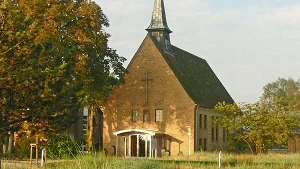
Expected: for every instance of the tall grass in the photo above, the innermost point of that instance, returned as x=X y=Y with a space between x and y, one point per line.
x=198 y=161
x=99 y=161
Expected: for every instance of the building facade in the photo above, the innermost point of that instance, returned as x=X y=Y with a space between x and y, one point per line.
x=165 y=107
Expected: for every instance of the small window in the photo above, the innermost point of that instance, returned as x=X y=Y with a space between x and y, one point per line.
x=158 y=115
x=205 y=121
x=155 y=34
x=85 y=122
x=200 y=144
x=205 y=144
x=224 y=134
x=135 y=116
x=200 y=121
x=146 y=116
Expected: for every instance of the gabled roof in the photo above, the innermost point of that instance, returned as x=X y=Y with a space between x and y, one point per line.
x=196 y=77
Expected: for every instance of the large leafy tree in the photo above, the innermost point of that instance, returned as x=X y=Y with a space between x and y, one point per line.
x=268 y=122
x=54 y=59
x=284 y=93
x=259 y=126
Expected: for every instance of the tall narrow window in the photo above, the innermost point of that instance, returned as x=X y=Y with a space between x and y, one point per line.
x=224 y=134
x=200 y=121
x=146 y=116
x=212 y=128
x=158 y=115
x=205 y=144
x=135 y=116
x=200 y=144
x=205 y=121
x=85 y=122
x=227 y=133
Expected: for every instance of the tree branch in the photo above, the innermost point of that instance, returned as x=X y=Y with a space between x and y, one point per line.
x=9 y=49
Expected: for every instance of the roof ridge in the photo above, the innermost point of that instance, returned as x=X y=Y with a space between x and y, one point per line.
x=196 y=77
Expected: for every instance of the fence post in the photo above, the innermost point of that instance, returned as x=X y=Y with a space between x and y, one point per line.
x=43 y=157
x=220 y=159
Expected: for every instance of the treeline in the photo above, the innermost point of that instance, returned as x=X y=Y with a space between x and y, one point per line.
x=266 y=124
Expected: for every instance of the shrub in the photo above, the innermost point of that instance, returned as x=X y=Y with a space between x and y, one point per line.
x=62 y=146
x=22 y=148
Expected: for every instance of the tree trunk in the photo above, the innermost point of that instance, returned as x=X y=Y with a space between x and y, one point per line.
x=10 y=143
x=249 y=145
x=5 y=144
x=91 y=127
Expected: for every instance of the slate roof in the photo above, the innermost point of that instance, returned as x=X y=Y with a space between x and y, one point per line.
x=196 y=77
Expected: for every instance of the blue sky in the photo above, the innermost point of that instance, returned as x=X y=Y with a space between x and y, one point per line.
x=248 y=43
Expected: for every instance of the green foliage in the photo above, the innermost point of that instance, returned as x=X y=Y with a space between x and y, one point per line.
x=54 y=59
x=22 y=148
x=260 y=126
x=268 y=122
x=62 y=146
x=284 y=93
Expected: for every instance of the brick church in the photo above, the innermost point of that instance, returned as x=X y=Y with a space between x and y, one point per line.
x=165 y=108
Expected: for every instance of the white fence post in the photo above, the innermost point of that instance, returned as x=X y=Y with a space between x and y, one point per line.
x=43 y=158
x=220 y=159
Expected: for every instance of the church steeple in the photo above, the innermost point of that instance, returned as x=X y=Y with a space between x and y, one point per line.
x=159 y=28
x=159 y=20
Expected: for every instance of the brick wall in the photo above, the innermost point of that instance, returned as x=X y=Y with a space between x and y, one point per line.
x=216 y=137
x=164 y=92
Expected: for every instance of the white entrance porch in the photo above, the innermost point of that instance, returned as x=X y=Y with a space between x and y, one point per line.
x=144 y=143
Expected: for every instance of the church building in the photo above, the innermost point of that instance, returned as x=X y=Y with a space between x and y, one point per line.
x=165 y=107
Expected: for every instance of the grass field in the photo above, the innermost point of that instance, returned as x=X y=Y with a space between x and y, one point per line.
x=198 y=161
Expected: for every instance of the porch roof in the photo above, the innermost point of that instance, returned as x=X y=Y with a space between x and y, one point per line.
x=150 y=132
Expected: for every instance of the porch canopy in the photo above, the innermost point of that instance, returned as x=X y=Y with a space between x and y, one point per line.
x=149 y=134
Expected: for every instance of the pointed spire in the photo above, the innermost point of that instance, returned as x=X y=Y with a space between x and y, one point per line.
x=159 y=21
x=159 y=28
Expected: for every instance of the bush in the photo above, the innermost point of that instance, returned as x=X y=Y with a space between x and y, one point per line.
x=22 y=148
x=62 y=146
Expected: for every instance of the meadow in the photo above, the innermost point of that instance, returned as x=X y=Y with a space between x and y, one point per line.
x=201 y=160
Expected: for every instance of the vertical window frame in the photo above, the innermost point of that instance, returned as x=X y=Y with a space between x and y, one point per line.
x=85 y=119
x=135 y=116
x=158 y=115
x=200 y=121
x=205 y=121
x=205 y=144
x=200 y=144
x=146 y=116
x=224 y=134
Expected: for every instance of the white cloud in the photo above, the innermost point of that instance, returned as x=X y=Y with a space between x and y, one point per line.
x=247 y=46
x=287 y=15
